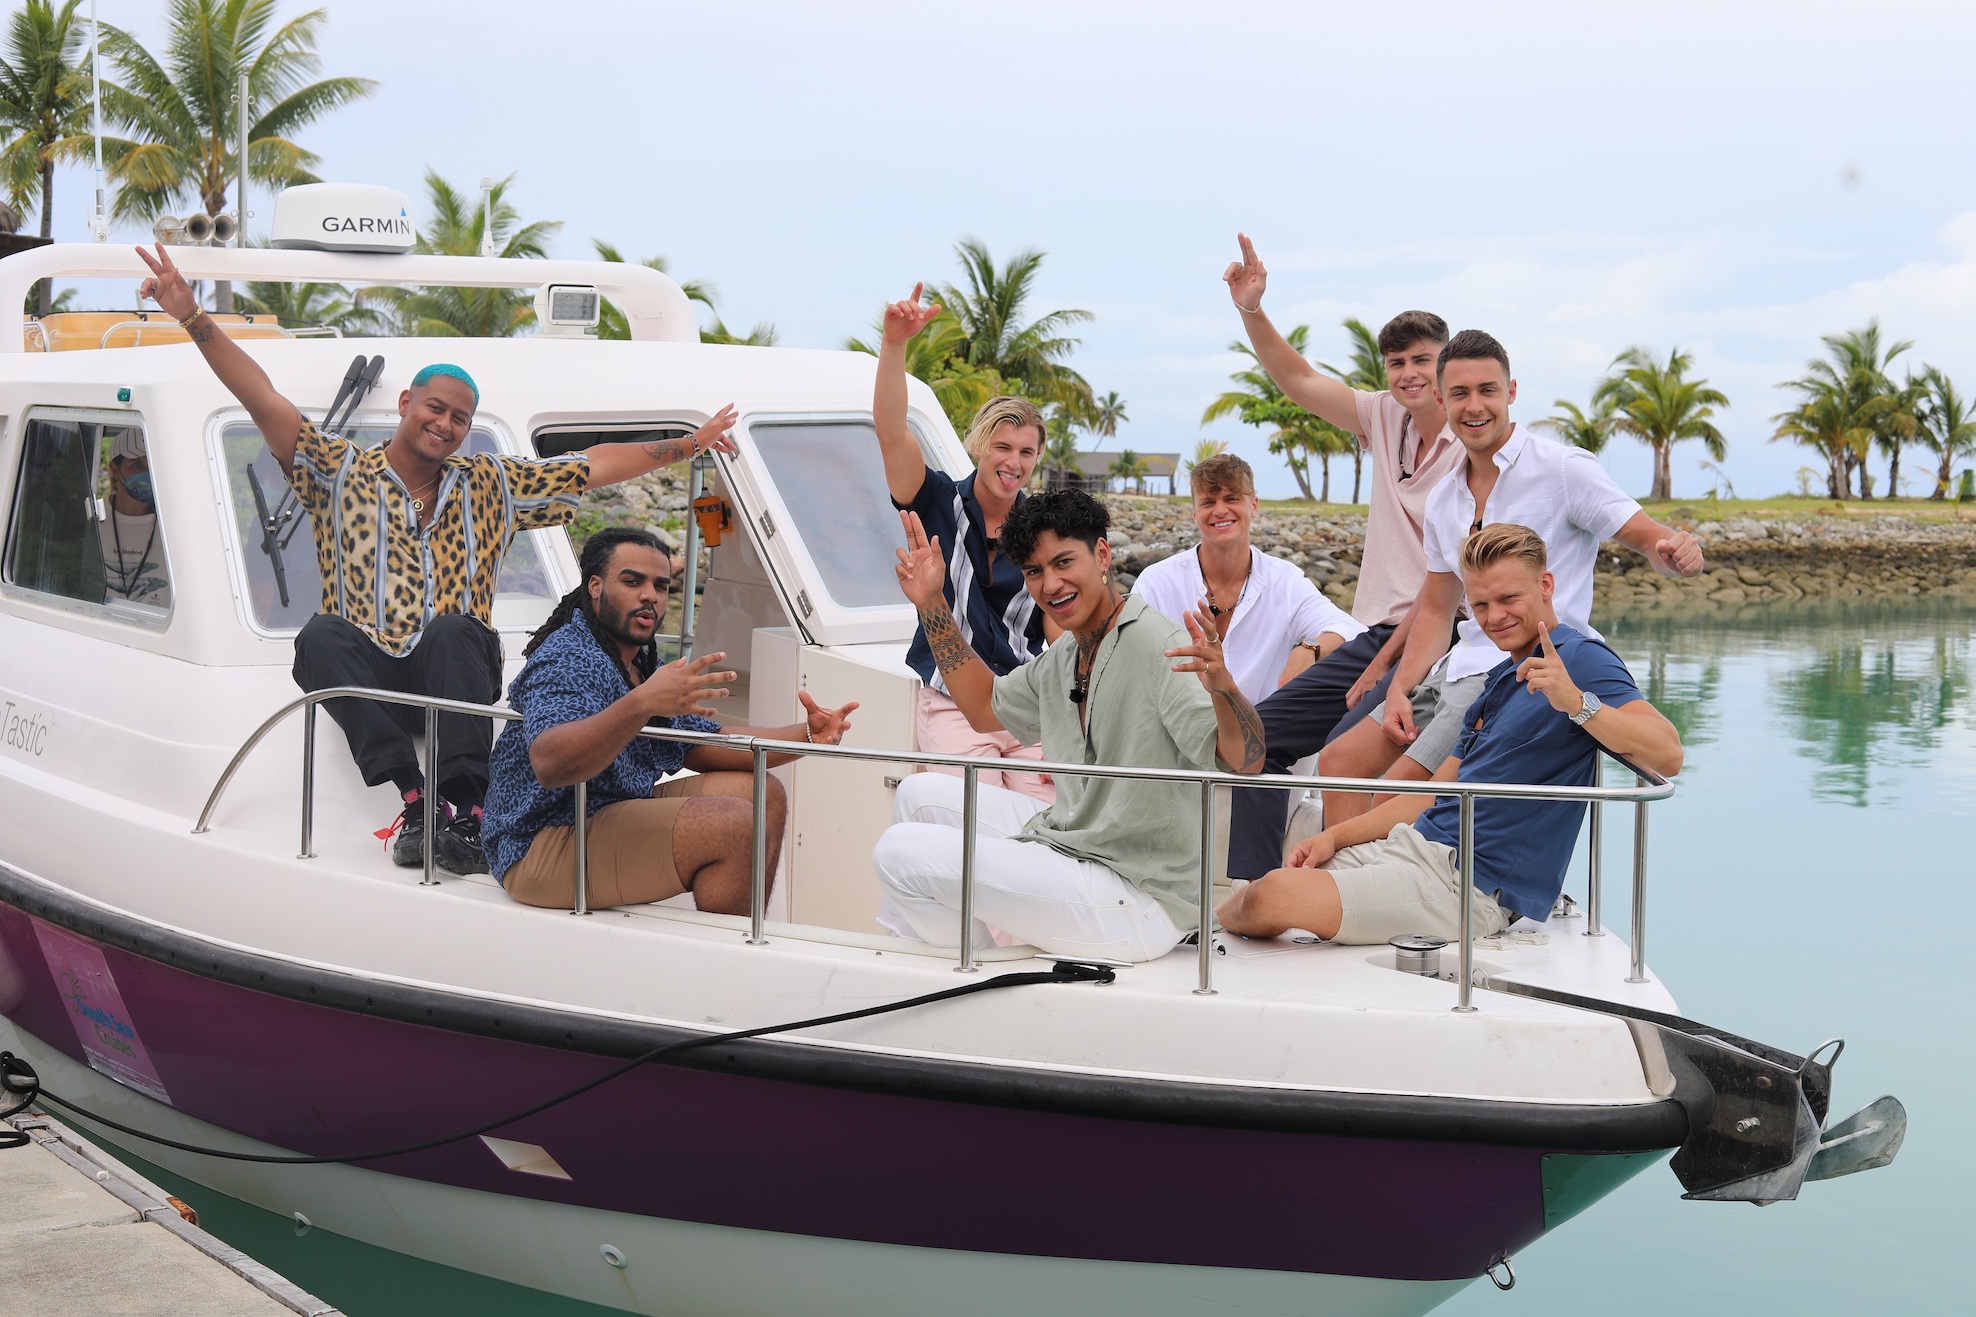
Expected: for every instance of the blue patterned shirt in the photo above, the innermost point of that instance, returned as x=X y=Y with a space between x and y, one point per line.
x=568 y=679
x=992 y=607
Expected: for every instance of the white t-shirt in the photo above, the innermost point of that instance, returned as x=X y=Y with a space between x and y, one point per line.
x=134 y=560
x=1562 y=493
x=1280 y=609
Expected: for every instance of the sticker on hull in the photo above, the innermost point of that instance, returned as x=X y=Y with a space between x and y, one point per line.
x=96 y=1009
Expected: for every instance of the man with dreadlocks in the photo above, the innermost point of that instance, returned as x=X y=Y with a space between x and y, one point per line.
x=410 y=537
x=592 y=681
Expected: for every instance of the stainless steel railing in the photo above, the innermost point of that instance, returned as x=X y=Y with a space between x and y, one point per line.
x=760 y=748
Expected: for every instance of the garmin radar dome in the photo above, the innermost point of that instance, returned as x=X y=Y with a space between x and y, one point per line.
x=343 y=217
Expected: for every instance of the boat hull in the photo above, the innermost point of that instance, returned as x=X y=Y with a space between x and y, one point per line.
x=897 y=1169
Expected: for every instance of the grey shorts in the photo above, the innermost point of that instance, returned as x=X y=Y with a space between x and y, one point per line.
x=1438 y=705
x=1404 y=883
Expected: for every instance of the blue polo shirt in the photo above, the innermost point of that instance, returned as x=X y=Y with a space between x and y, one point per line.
x=991 y=607
x=1512 y=734
x=568 y=679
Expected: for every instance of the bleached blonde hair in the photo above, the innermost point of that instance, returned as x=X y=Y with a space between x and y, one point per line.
x=994 y=414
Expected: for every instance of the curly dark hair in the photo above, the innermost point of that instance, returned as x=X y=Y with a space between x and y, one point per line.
x=595 y=561
x=1071 y=513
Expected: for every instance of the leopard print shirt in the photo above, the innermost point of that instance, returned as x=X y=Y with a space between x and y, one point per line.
x=361 y=510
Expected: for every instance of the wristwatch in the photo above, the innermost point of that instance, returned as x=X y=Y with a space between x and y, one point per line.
x=1590 y=706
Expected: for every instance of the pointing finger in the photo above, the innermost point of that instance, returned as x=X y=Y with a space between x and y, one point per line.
x=1248 y=249
x=1544 y=639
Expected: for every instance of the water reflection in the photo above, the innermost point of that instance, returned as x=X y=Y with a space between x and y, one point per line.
x=1866 y=688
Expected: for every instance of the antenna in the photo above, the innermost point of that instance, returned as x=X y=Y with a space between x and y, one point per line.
x=240 y=206
x=487 y=247
x=99 y=223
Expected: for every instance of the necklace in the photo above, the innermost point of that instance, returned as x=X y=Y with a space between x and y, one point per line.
x=1215 y=610
x=1080 y=690
x=127 y=580
x=418 y=503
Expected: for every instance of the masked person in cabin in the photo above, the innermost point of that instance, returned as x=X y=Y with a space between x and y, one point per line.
x=1112 y=867
x=1542 y=717
x=994 y=614
x=133 y=559
x=410 y=537
x=592 y=681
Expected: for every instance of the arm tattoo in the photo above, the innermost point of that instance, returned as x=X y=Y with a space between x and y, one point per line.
x=202 y=330
x=950 y=652
x=665 y=452
x=1254 y=747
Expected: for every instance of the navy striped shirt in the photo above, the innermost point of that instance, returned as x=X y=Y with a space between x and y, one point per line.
x=991 y=606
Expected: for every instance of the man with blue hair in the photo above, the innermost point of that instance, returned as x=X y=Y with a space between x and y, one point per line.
x=410 y=536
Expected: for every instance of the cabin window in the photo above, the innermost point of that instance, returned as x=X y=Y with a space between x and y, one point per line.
x=852 y=534
x=85 y=524
x=277 y=545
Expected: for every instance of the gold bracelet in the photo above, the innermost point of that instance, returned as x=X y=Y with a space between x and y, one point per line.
x=191 y=320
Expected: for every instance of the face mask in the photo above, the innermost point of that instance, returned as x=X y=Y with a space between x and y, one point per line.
x=139 y=487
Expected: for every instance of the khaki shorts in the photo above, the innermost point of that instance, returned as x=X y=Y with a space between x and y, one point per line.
x=630 y=854
x=1438 y=705
x=1404 y=884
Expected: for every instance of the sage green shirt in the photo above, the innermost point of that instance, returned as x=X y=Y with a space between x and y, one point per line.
x=1142 y=714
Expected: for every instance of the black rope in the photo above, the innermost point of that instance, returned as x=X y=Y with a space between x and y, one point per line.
x=18 y=1077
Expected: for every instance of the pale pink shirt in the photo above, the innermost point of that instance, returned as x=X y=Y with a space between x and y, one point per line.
x=1394 y=565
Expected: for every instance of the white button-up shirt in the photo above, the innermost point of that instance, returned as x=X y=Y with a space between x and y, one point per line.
x=1562 y=493
x=1280 y=609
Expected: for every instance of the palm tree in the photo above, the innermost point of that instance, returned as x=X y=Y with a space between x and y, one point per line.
x=313 y=304
x=44 y=108
x=1573 y=426
x=181 y=111
x=1947 y=425
x=1107 y=414
x=1898 y=427
x=1368 y=373
x=1205 y=449
x=453 y=228
x=1660 y=406
x=1298 y=435
x=1843 y=403
x=1027 y=357
x=1058 y=463
x=1128 y=465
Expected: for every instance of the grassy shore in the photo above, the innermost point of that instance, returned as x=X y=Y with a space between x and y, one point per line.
x=1787 y=507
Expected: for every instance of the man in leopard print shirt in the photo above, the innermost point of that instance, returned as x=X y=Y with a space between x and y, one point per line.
x=410 y=536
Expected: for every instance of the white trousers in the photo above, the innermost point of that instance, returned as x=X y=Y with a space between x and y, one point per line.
x=1035 y=894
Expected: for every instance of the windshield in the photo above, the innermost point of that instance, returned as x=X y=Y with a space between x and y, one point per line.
x=284 y=589
x=832 y=480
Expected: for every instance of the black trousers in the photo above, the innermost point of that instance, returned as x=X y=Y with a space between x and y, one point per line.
x=456 y=658
x=1298 y=720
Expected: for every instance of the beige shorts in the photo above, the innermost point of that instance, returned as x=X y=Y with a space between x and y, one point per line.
x=1404 y=884
x=629 y=854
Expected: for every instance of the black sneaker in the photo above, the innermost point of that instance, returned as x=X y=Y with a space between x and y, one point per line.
x=457 y=847
x=406 y=835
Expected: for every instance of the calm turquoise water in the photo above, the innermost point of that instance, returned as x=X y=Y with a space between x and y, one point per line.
x=1809 y=880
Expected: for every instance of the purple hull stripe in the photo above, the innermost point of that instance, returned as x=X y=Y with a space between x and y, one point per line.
x=767 y=1154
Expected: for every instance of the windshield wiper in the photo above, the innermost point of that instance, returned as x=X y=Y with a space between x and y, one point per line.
x=358 y=381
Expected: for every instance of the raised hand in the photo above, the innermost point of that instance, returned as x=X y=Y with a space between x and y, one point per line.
x=1398 y=722
x=1203 y=657
x=1545 y=673
x=827 y=726
x=922 y=571
x=166 y=286
x=680 y=688
x=1679 y=554
x=1313 y=851
x=907 y=318
x=1246 y=278
x=717 y=435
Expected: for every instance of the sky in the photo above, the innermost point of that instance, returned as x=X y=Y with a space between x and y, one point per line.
x=1732 y=179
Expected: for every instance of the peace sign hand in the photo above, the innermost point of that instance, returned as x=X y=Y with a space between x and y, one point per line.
x=1204 y=655
x=166 y=286
x=1246 y=278
x=1545 y=673
x=922 y=571
x=905 y=319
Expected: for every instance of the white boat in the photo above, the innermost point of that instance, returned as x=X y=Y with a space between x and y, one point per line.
x=200 y=938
